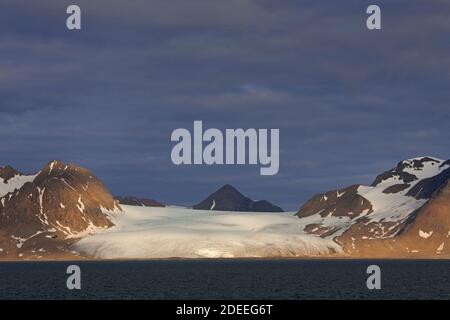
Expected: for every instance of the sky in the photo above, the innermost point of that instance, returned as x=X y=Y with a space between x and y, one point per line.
x=349 y=102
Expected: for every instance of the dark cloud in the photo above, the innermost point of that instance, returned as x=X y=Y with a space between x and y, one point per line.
x=349 y=102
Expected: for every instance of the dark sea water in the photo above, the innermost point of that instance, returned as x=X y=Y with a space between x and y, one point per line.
x=227 y=279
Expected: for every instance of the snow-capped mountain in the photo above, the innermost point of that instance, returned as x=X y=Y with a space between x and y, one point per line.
x=404 y=212
x=228 y=198
x=40 y=213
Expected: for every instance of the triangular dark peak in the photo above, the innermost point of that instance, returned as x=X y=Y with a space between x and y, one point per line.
x=228 y=188
x=8 y=172
x=228 y=198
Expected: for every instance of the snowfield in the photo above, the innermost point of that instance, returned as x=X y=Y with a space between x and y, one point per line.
x=148 y=232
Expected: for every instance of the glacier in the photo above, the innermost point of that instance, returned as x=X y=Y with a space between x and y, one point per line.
x=173 y=232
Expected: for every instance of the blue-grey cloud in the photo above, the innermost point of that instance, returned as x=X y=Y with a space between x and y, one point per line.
x=349 y=102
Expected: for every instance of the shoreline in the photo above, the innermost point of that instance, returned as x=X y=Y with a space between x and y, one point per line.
x=325 y=259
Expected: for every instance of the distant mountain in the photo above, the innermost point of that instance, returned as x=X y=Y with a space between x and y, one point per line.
x=228 y=198
x=405 y=212
x=40 y=213
x=8 y=172
x=141 y=202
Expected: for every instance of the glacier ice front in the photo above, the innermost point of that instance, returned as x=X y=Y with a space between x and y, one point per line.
x=146 y=233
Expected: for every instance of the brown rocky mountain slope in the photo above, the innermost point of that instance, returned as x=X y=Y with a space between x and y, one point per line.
x=41 y=214
x=404 y=213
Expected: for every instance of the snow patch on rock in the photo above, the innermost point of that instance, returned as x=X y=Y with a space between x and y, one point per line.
x=424 y=234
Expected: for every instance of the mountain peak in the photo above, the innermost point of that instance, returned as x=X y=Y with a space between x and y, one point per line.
x=424 y=158
x=228 y=188
x=411 y=170
x=228 y=198
x=418 y=163
x=54 y=164
x=7 y=172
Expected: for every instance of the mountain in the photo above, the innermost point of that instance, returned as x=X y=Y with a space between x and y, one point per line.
x=140 y=202
x=8 y=172
x=405 y=212
x=40 y=214
x=65 y=212
x=228 y=198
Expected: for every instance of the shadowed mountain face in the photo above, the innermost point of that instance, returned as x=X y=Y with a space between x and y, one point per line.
x=140 y=202
x=7 y=173
x=228 y=198
x=39 y=213
x=405 y=212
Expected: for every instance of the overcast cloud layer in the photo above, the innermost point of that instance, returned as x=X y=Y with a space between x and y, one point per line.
x=349 y=102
